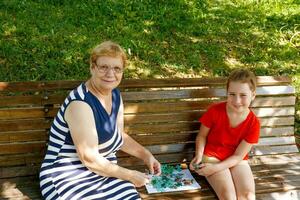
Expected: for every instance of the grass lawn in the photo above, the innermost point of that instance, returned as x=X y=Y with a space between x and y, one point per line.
x=51 y=39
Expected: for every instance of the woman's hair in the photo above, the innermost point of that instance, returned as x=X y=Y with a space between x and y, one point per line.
x=243 y=76
x=108 y=48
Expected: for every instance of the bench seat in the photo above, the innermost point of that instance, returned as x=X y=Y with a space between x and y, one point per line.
x=160 y=114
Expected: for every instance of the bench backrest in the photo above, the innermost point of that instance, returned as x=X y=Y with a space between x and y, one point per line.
x=160 y=114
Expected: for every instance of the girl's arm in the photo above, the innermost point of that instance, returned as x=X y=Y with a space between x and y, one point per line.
x=239 y=154
x=133 y=148
x=200 y=144
x=79 y=117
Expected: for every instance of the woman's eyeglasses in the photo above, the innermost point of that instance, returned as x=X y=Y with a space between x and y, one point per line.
x=105 y=69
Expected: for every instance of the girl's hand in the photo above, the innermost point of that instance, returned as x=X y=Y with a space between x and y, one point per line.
x=207 y=169
x=138 y=179
x=153 y=165
x=195 y=162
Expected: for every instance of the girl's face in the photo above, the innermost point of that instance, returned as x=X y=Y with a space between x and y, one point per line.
x=239 y=97
x=107 y=72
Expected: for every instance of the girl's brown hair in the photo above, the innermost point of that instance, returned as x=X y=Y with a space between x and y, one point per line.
x=243 y=76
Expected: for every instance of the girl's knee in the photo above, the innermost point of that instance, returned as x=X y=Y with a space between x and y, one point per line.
x=227 y=194
x=249 y=195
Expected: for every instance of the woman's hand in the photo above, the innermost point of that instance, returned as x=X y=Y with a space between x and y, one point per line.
x=153 y=164
x=195 y=162
x=138 y=179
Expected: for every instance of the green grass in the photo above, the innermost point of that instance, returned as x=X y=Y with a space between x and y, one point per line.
x=51 y=39
x=48 y=40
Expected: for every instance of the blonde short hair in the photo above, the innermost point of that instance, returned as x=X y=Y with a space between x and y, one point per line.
x=108 y=48
x=243 y=76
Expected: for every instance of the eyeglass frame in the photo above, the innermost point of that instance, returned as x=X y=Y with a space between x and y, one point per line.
x=105 y=69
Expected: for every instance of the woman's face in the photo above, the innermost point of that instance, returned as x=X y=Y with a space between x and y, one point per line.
x=107 y=72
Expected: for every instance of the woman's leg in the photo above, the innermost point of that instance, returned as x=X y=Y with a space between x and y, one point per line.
x=243 y=181
x=223 y=185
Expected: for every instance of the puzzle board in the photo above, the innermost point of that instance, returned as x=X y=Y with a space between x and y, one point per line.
x=186 y=175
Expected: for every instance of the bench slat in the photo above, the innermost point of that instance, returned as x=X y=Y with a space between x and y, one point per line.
x=287 y=146
x=132 y=83
x=200 y=93
x=27 y=113
x=175 y=109
x=29 y=159
x=23 y=136
x=22 y=147
x=270 y=117
x=146 y=107
x=267 y=150
x=276 y=140
x=39 y=100
x=19 y=125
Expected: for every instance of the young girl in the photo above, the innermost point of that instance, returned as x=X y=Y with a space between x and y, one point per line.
x=228 y=131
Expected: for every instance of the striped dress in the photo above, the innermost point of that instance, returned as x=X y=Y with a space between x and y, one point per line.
x=62 y=174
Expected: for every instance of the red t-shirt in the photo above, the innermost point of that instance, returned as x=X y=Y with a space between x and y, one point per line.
x=222 y=140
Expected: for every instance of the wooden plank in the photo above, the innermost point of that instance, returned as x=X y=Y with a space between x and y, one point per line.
x=284 y=195
x=16 y=171
x=131 y=119
x=282 y=111
x=163 y=158
x=271 y=120
x=37 y=85
x=266 y=169
x=169 y=138
x=184 y=147
x=271 y=172
x=28 y=159
x=161 y=107
x=173 y=94
x=146 y=107
x=159 y=128
x=164 y=127
x=39 y=100
x=273 y=101
x=276 y=141
x=188 y=82
x=265 y=150
x=32 y=112
x=27 y=124
x=22 y=147
x=201 y=93
x=275 y=90
x=23 y=136
x=32 y=100
x=277 y=121
x=20 y=100
x=133 y=83
x=275 y=160
x=277 y=131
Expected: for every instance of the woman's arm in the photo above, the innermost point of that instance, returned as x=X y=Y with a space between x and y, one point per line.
x=199 y=146
x=133 y=148
x=79 y=117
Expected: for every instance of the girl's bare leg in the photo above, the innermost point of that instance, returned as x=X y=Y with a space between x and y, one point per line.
x=223 y=185
x=243 y=180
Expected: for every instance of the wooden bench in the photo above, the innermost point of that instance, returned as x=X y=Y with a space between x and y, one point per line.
x=161 y=115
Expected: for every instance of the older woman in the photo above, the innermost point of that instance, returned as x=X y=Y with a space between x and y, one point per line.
x=80 y=162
